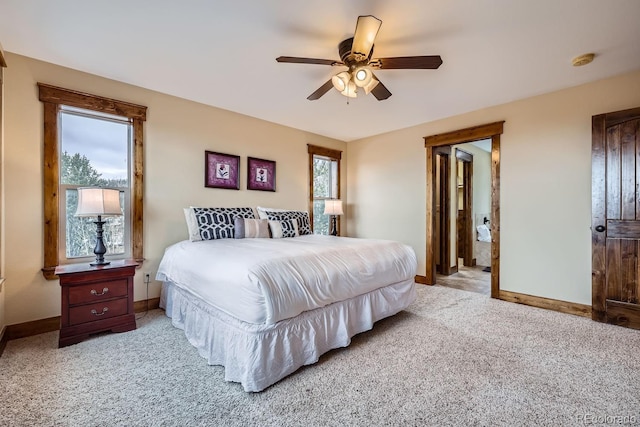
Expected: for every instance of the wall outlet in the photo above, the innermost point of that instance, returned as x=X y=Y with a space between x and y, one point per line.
x=147 y=277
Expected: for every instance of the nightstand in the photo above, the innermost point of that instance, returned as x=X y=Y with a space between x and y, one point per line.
x=96 y=299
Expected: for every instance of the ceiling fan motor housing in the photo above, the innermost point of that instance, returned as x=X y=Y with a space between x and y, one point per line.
x=349 y=59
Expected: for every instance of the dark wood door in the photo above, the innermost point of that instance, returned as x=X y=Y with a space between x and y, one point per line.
x=460 y=228
x=616 y=218
x=465 y=160
x=442 y=170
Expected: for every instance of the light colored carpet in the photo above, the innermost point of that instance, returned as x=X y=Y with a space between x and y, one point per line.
x=453 y=358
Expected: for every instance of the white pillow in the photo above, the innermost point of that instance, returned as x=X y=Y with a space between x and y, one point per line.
x=192 y=225
x=262 y=212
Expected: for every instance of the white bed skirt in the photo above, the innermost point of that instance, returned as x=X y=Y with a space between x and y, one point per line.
x=258 y=356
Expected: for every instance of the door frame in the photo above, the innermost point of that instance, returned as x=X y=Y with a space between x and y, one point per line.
x=3 y=65
x=476 y=133
x=599 y=126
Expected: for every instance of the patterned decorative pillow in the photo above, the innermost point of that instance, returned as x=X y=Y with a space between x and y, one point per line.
x=251 y=228
x=262 y=212
x=219 y=223
x=301 y=217
x=286 y=228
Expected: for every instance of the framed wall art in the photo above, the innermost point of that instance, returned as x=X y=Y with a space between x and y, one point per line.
x=261 y=174
x=221 y=170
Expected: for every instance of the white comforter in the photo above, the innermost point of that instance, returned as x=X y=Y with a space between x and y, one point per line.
x=263 y=281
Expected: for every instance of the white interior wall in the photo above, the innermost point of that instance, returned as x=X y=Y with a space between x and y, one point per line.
x=545 y=179
x=177 y=133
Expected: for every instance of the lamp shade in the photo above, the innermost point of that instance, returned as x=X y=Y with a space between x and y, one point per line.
x=94 y=201
x=333 y=207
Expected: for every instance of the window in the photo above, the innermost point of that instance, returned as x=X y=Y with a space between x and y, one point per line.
x=90 y=141
x=324 y=176
x=94 y=151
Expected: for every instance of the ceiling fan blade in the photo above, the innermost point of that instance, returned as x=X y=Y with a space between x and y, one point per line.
x=366 y=32
x=296 y=60
x=408 y=62
x=380 y=91
x=321 y=91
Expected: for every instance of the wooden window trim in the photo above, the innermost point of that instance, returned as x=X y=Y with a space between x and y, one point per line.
x=316 y=150
x=52 y=98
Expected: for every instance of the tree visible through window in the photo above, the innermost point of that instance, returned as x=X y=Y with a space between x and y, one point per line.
x=325 y=184
x=90 y=141
x=94 y=153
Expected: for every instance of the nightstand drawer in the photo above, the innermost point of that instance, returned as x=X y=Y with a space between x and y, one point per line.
x=97 y=311
x=97 y=292
x=94 y=299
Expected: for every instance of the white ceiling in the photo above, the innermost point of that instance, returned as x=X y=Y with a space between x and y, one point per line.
x=222 y=52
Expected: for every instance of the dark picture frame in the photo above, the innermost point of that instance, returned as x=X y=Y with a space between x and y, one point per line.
x=261 y=174
x=221 y=170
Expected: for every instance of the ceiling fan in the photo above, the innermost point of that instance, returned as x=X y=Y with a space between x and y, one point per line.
x=355 y=53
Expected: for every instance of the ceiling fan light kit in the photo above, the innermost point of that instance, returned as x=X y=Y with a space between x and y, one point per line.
x=347 y=83
x=341 y=81
x=355 y=53
x=350 y=91
x=362 y=76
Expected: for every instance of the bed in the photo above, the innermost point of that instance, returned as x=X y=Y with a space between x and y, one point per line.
x=264 y=307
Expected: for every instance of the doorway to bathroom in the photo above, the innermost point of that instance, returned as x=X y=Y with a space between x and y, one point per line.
x=442 y=262
x=463 y=179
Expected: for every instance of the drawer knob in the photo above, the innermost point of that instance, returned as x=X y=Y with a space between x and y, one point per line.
x=95 y=313
x=104 y=291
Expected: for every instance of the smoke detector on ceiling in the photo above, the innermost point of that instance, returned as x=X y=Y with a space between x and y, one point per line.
x=581 y=60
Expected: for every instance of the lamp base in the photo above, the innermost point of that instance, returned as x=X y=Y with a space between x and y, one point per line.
x=100 y=249
x=334 y=226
